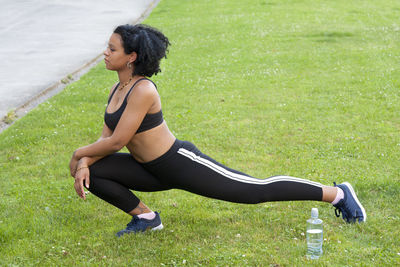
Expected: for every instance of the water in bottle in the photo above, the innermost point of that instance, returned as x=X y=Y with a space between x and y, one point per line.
x=314 y=235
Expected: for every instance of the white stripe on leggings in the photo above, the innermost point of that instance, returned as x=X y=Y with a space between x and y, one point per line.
x=240 y=177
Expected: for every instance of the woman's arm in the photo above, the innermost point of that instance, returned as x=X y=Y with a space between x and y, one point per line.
x=138 y=105
x=88 y=161
x=81 y=172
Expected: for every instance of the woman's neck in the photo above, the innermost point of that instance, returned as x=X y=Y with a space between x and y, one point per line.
x=124 y=76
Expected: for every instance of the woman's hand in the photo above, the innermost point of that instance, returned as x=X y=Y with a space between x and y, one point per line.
x=73 y=164
x=82 y=175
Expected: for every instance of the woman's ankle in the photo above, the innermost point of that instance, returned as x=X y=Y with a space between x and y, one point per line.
x=140 y=209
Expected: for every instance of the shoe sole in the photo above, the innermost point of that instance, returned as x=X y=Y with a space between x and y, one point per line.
x=353 y=193
x=157 y=227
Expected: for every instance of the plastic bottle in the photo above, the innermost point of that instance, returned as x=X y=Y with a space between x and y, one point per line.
x=314 y=235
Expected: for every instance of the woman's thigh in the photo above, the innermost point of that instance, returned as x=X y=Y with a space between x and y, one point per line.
x=125 y=170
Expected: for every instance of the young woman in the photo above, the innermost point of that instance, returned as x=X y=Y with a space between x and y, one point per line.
x=157 y=160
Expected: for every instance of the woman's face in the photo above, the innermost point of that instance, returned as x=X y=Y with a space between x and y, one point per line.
x=114 y=56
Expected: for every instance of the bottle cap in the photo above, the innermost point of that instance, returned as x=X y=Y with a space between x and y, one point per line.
x=314 y=213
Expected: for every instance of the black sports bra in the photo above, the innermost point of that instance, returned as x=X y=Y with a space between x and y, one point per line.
x=150 y=120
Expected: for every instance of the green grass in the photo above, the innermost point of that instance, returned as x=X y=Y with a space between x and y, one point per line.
x=302 y=88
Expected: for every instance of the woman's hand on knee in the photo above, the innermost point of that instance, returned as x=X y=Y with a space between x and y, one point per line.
x=82 y=177
x=73 y=164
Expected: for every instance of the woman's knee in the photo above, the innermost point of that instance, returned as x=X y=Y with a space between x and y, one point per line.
x=96 y=169
x=92 y=170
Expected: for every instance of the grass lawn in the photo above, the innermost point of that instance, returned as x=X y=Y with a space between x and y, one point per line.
x=303 y=88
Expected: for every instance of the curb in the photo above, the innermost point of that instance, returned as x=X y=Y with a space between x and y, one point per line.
x=58 y=86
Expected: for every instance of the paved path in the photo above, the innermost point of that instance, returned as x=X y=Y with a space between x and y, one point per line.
x=42 y=41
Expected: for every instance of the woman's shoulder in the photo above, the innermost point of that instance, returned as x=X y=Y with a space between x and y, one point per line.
x=143 y=91
x=144 y=86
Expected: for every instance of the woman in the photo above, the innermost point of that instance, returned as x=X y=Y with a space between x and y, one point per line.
x=157 y=160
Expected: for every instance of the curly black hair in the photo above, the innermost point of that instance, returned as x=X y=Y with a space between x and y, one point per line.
x=150 y=45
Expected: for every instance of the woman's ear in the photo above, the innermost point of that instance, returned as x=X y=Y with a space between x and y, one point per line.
x=132 y=57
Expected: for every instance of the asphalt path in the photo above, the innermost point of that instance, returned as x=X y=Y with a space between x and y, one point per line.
x=43 y=41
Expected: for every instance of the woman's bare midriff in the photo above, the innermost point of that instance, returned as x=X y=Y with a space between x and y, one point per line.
x=149 y=145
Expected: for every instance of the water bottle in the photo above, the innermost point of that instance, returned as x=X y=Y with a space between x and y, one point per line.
x=314 y=235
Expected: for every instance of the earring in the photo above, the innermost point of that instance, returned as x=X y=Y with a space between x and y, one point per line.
x=129 y=65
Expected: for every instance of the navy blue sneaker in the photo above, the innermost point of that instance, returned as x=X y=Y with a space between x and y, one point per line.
x=350 y=207
x=141 y=225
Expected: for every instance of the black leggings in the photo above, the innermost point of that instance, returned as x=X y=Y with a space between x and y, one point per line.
x=185 y=167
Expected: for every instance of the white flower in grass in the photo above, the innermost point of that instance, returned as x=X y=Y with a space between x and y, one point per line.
x=238 y=235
